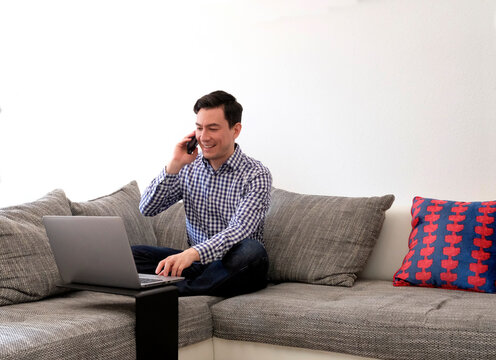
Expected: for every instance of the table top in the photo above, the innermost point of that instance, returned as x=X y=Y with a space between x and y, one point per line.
x=120 y=291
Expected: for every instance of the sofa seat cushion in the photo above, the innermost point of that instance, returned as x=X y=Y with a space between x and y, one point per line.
x=77 y=325
x=89 y=325
x=195 y=319
x=371 y=319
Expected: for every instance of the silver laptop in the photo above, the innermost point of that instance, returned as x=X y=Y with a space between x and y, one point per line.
x=95 y=250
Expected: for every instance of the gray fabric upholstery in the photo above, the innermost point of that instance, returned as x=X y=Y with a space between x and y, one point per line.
x=89 y=325
x=321 y=239
x=170 y=227
x=324 y=235
x=195 y=319
x=124 y=203
x=372 y=319
x=27 y=267
x=77 y=325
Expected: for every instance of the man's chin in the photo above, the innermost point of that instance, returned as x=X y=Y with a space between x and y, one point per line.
x=208 y=153
x=207 y=156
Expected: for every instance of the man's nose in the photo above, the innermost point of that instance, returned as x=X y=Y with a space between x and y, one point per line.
x=204 y=136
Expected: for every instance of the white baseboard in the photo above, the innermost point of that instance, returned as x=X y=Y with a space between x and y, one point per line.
x=200 y=351
x=243 y=350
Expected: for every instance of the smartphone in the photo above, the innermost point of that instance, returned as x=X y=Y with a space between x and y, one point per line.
x=191 y=145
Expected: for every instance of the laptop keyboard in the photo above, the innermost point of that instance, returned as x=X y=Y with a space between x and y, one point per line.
x=147 y=281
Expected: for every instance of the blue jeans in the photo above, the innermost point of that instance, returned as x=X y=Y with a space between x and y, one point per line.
x=242 y=270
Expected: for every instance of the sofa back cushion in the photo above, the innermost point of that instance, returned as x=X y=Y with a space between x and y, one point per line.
x=124 y=203
x=170 y=227
x=28 y=270
x=321 y=239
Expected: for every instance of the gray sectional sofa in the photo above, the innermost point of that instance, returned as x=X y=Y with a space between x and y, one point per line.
x=330 y=294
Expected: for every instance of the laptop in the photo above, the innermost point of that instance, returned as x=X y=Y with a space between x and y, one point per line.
x=95 y=250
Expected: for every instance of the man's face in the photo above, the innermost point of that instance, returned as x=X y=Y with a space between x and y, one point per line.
x=214 y=136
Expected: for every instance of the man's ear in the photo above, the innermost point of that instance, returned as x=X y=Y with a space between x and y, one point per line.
x=237 y=129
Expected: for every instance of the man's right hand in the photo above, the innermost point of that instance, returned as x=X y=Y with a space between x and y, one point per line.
x=180 y=157
x=175 y=264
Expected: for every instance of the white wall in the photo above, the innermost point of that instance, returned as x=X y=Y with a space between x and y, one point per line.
x=341 y=97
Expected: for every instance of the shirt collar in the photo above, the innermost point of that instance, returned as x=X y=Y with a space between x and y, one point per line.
x=232 y=163
x=235 y=160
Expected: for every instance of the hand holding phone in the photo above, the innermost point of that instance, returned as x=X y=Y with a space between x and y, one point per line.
x=179 y=158
x=191 y=145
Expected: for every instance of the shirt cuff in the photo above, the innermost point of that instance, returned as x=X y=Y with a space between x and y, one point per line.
x=165 y=176
x=204 y=252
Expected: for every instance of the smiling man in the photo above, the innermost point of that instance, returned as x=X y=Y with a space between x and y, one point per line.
x=226 y=197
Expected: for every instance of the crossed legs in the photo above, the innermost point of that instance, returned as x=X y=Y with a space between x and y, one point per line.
x=242 y=270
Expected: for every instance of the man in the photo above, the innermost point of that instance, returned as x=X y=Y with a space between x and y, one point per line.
x=226 y=196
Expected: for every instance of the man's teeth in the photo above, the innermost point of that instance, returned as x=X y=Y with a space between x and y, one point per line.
x=208 y=147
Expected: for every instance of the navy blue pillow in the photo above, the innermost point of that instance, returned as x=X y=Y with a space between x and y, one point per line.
x=452 y=245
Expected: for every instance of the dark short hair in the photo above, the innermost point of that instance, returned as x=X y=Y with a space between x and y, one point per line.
x=232 y=109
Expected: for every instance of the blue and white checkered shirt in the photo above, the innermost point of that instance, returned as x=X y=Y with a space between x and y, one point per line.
x=222 y=207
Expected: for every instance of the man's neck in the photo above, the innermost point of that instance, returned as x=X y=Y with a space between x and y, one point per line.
x=217 y=164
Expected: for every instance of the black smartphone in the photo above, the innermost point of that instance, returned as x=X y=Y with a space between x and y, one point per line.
x=191 y=145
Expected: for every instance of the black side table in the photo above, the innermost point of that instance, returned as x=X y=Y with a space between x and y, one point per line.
x=156 y=318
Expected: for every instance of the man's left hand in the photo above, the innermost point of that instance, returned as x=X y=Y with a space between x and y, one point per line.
x=175 y=264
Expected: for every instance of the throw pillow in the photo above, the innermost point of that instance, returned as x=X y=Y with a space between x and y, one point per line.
x=124 y=203
x=452 y=245
x=170 y=227
x=28 y=270
x=321 y=239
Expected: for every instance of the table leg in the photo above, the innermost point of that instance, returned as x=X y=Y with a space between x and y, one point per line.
x=157 y=323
